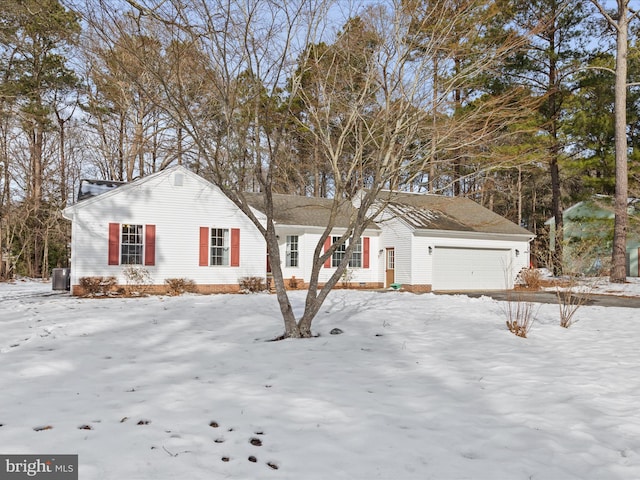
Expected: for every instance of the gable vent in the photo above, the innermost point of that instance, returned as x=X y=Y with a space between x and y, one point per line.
x=178 y=178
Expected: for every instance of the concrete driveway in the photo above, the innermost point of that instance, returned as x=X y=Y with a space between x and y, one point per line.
x=550 y=297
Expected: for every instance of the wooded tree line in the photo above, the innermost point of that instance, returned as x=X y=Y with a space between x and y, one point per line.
x=508 y=102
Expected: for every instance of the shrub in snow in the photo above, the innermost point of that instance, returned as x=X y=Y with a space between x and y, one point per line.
x=530 y=278
x=138 y=279
x=252 y=284
x=520 y=316
x=94 y=286
x=178 y=286
x=571 y=298
x=347 y=277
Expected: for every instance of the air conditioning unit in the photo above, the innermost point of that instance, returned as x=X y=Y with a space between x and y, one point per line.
x=61 y=279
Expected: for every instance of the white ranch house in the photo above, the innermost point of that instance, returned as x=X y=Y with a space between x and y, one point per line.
x=176 y=224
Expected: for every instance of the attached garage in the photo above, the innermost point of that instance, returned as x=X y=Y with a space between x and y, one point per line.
x=458 y=268
x=451 y=244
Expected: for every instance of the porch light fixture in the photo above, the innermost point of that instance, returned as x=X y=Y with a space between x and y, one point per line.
x=430 y=250
x=517 y=252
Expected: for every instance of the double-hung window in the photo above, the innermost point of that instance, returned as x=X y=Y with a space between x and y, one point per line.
x=292 y=251
x=219 y=246
x=131 y=245
x=355 y=261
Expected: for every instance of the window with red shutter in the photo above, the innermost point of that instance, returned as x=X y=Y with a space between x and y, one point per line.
x=114 y=244
x=235 y=247
x=365 y=252
x=150 y=245
x=327 y=246
x=204 y=246
x=219 y=247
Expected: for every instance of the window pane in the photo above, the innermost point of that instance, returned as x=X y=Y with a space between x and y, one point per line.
x=219 y=246
x=292 y=251
x=356 y=256
x=338 y=254
x=131 y=245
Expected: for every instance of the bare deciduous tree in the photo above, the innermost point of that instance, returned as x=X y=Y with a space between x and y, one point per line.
x=234 y=76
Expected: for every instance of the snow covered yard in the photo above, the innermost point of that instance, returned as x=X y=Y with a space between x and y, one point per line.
x=417 y=387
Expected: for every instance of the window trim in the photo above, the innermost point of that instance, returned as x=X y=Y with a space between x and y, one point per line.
x=231 y=246
x=116 y=241
x=292 y=254
x=132 y=244
x=221 y=252
x=339 y=252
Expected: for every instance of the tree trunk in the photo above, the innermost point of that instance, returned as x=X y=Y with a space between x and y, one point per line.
x=37 y=137
x=63 y=163
x=557 y=215
x=619 y=253
x=121 y=149
x=519 y=195
x=139 y=146
x=457 y=163
x=3 y=273
x=553 y=89
x=434 y=126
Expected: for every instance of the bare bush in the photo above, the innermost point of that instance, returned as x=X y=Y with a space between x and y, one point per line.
x=252 y=284
x=571 y=298
x=94 y=286
x=520 y=316
x=138 y=279
x=531 y=278
x=178 y=286
x=347 y=277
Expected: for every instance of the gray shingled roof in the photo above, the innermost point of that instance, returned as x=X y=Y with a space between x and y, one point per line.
x=305 y=211
x=437 y=212
x=420 y=211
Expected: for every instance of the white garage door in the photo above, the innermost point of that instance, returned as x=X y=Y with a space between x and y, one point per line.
x=471 y=269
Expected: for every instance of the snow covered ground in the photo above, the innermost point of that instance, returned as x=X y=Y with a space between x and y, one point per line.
x=417 y=387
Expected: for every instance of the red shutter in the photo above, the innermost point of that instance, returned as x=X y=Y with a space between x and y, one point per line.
x=114 y=244
x=150 y=245
x=235 y=247
x=204 y=246
x=327 y=246
x=365 y=252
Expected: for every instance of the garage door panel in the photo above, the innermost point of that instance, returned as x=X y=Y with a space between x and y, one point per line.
x=471 y=268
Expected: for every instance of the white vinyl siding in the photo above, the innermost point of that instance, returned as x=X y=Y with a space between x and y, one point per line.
x=307 y=242
x=178 y=210
x=396 y=234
